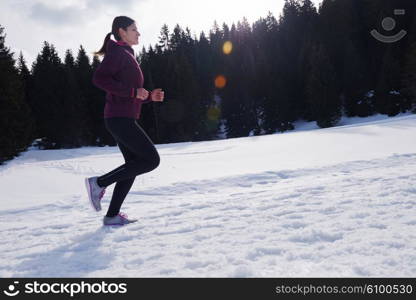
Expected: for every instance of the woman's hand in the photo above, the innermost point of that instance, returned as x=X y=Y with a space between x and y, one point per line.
x=157 y=95
x=142 y=94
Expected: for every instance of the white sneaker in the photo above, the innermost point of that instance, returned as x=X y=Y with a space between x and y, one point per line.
x=95 y=192
x=120 y=219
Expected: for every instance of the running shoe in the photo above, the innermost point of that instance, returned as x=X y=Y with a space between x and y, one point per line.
x=120 y=219
x=95 y=192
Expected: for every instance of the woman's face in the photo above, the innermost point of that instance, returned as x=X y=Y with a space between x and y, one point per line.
x=131 y=36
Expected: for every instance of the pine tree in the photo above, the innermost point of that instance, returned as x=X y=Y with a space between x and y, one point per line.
x=307 y=22
x=22 y=68
x=164 y=44
x=282 y=104
x=204 y=74
x=48 y=94
x=268 y=68
x=90 y=107
x=73 y=107
x=322 y=95
x=26 y=79
x=16 y=126
x=176 y=37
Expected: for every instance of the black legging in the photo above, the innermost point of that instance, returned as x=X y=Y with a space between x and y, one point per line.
x=139 y=154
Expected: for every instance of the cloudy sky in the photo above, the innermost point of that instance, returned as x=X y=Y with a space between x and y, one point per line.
x=67 y=24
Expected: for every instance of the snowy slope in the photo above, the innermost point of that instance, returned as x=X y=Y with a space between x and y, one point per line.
x=308 y=203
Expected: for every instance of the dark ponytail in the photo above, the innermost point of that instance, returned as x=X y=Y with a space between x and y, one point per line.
x=118 y=22
x=103 y=48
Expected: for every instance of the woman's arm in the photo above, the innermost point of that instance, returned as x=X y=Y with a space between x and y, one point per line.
x=103 y=77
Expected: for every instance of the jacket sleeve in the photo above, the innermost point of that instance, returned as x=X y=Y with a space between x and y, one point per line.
x=103 y=77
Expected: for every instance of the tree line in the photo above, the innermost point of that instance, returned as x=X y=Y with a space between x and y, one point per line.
x=314 y=64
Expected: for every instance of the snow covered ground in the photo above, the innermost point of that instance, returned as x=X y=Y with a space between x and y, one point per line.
x=314 y=202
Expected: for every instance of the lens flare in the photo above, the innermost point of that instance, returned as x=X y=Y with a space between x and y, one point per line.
x=220 y=81
x=227 y=47
x=213 y=113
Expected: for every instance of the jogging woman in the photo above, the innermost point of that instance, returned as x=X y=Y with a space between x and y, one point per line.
x=120 y=76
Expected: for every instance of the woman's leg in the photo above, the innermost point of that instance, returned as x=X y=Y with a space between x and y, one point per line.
x=122 y=187
x=128 y=133
x=139 y=154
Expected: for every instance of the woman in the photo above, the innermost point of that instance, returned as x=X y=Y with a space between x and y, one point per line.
x=120 y=76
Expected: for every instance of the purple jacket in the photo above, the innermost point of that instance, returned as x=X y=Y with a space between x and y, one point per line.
x=119 y=74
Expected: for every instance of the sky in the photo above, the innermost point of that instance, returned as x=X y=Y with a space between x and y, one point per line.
x=67 y=24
